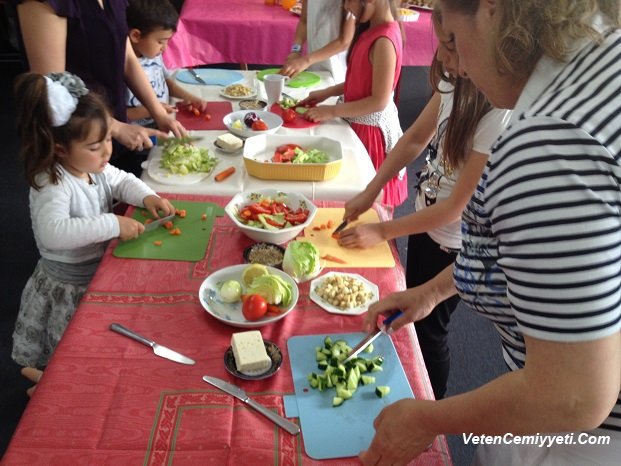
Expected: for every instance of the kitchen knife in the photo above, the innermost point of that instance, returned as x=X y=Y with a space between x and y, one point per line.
x=157 y=222
x=181 y=140
x=196 y=76
x=366 y=341
x=340 y=228
x=240 y=394
x=159 y=350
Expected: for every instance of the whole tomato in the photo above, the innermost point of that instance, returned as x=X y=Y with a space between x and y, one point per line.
x=289 y=115
x=259 y=125
x=254 y=307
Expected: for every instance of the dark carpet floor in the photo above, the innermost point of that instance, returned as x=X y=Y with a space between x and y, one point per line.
x=474 y=345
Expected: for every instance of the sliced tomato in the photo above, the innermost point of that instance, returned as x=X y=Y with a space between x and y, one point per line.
x=296 y=218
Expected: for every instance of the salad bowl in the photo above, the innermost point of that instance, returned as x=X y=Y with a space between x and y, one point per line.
x=275 y=228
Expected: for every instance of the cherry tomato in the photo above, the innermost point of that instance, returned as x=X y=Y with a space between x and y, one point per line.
x=254 y=307
x=207 y=117
x=259 y=125
x=289 y=115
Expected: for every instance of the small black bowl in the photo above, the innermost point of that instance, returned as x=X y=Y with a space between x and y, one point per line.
x=251 y=252
x=273 y=352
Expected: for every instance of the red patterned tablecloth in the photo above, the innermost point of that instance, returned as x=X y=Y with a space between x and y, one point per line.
x=105 y=399
x=247 y=31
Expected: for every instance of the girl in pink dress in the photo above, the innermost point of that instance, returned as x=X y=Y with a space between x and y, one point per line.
x=373 y=69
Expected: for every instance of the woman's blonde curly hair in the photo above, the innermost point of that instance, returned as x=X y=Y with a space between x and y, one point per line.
x=529 y=29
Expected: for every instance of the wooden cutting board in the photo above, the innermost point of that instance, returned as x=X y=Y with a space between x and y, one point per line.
x=216 y=109
x=344 y=431
x=379 y=255
x=191 y=245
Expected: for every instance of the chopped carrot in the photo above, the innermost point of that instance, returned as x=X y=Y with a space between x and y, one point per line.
x=323 y=226
x=175 y=231
x=316 y=228
x=169 y=225
x=157 y=243
x=330 y=223
x=204 y=217
x=333 y=259
x=147 y=221
x=224 y=174
x=336 y=235
x=144 y=213
x=182 y=213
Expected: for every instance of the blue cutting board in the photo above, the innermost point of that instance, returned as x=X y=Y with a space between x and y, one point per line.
x=348 y=429
x=211 y=76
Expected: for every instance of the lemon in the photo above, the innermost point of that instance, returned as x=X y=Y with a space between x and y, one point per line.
x=253 y=271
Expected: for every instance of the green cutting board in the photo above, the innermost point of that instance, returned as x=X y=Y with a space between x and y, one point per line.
x=304 y=79
x=190 y=245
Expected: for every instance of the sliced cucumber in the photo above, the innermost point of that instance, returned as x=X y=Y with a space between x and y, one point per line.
x=367 y=379
x=337 y=401
x=382 y=390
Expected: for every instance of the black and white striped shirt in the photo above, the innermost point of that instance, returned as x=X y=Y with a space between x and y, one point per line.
x=541 y=252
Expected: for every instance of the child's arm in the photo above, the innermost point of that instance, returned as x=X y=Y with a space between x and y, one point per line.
x=383 y=58
x=175 y=90
x=408 y=148
x=435 y=216
x=299 y=38
x=316 y=97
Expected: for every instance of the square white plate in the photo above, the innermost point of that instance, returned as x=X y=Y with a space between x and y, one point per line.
x=352 y=311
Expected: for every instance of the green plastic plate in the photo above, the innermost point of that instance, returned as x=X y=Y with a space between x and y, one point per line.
x=304 y=79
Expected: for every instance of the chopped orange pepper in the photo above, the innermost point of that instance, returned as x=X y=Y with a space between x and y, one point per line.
x=169 y=225
x=157 y=243
x=182 y=213
x=147 y=221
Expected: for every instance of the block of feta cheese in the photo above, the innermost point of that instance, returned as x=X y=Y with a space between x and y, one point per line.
x=249 y=352
x=229 y=142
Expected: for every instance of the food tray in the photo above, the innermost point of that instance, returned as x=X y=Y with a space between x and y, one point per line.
x=259 y=150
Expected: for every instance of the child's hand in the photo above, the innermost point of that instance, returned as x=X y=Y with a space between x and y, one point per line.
x=314 y=98
x=158 y=206
x=359 y=204
x=294 y=64
x=361 y=236
x=197 y=103
x=129 y=227
x=169 y=108
x=321 y=113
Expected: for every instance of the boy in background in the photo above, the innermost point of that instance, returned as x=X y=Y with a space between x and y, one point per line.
x=151 y=25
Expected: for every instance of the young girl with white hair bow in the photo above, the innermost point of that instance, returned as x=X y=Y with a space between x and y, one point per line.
x=66 y=145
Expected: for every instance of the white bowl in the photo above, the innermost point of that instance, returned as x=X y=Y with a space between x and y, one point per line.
x=231 y=313
x=272 y=121
x=292 y=200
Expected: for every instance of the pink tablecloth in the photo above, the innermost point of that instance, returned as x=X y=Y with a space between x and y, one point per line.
x=105 y=399
x=248 y=31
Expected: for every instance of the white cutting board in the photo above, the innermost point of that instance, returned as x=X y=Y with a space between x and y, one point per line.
x=348 y=429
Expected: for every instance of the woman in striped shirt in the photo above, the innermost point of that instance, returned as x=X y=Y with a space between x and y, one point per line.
x=541 y=250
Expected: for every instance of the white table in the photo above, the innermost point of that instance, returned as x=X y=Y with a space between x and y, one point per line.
x=356 y=171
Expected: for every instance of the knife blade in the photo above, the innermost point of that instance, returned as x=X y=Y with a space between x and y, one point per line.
x=156 y=223
x=340 y=228
x=159 y=350
x=181 y=140
x=366 y=341
x=240 y=394
x=196 y=76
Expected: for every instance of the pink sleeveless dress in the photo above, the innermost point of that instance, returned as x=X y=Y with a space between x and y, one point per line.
x=379 y=131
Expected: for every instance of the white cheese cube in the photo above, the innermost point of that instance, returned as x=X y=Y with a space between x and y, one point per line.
x=249 y=352
x=229 y=142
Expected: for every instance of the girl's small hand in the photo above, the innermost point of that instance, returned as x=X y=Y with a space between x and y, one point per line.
x=166 y=124
x=361 y=236
x=294 y=64
x=129 y=228
x=359 y=205
x=313 y=99
x=321 y=113
x=416 y=304
x=158 y=206
x=169 y=108
x=198 y=103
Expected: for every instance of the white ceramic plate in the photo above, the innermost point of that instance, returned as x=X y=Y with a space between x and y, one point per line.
x=163 y=175
x=239 y=97
x=273 y=351
x=353 y=311
x=272 y=121
x=231 y=313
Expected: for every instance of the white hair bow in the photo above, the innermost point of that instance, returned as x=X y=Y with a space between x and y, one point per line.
x=63 y=91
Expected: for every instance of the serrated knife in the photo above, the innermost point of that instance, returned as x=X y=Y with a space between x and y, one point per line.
x=240 y=394
x=158 y=349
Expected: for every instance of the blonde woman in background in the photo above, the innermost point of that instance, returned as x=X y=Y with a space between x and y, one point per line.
x=327 y=31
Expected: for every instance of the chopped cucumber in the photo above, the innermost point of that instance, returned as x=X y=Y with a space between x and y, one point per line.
x=367 y=379
x=382 y=390
x=368 y=349
x=337 y=401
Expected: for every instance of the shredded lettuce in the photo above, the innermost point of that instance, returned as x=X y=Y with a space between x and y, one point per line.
x=310 y=156
x=183 y=158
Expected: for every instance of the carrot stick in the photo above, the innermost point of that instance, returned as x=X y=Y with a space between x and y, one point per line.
x=224 y=174
x=333 y=259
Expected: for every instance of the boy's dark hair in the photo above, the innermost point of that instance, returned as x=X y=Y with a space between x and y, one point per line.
x=148 y=15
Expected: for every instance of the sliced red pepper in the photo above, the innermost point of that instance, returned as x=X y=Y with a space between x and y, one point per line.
x=273 y=222
x=296 y=218
x=272 y=309
x=259 y=209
